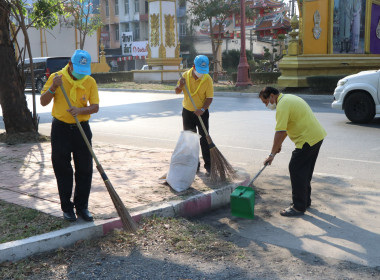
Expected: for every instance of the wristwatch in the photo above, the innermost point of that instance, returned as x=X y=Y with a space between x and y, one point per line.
x=203 y=110
x=271 y=155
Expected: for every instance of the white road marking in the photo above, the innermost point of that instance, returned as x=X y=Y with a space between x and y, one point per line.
x=333 y=175
x=356 y=160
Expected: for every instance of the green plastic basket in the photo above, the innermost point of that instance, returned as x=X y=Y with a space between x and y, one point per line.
x=242 y=201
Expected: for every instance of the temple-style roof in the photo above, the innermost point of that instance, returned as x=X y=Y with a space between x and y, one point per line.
x=260 y=4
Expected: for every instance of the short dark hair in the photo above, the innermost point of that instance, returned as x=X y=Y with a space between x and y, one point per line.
x=265 y=92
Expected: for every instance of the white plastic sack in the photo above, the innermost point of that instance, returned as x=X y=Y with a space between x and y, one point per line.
x=184 y=161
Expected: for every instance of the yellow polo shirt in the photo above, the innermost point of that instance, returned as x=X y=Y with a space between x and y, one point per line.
x=84 y=97
x=295 y=116
x=200 y=89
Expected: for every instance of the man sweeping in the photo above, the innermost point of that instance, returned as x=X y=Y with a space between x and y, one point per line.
x=294 y=118
x=201 y=89
x=66 y=139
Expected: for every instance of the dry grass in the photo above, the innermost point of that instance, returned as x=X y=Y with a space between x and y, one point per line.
x=18 y=222
x=155 y=235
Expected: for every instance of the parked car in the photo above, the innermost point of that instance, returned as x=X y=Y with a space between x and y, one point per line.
x=359 y=96
x=43 y=67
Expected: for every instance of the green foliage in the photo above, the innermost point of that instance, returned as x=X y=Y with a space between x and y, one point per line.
x=45 y=13
x=234 y=77
x=203 y=10
x=325 y=83
x=84 y=16
x=265 y=77
x=231 y=59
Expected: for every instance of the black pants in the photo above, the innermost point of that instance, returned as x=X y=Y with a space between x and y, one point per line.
x=66 y=140
x=301 y=168
x=191 y=122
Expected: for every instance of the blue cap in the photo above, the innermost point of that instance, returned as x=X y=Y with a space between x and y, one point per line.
x=81 y=62
x=201 y=64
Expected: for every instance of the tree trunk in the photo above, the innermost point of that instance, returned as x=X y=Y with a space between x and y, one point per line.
x=16 y=115
x=213 y=48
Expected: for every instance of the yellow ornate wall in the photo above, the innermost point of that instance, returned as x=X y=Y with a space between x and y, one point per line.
x=311 y=44
x=314 y=54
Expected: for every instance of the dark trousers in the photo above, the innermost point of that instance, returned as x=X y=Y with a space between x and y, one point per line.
x=301 y=168
x=66 y=140
x=191 y=122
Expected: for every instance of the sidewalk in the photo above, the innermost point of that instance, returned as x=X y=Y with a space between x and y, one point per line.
x=133 y=172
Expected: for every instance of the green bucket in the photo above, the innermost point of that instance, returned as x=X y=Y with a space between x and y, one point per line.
x=242 y=202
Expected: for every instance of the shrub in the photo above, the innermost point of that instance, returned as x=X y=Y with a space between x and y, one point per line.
x=265 y=77
x=231 y=58
x=326 y=83
x=123 y=76
x=234 y=77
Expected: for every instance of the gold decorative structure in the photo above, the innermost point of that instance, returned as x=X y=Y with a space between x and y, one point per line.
x=164 y=49
x=177 y=50
x=169 y=31
x=149 y=51
x=154 y=30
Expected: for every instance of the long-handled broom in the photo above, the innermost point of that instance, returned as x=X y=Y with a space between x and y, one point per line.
x=221 y=169
x=126 y=219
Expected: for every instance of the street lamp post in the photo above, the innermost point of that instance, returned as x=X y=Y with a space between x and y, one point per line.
x=243 y=77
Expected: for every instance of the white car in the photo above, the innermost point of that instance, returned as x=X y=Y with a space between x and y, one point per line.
x=359 y=96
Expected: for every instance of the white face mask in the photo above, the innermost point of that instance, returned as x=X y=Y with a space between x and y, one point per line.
x=271 y=106
x=199 y=75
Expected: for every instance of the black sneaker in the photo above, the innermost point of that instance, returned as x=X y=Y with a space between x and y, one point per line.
x=69 y=216
x=85 y=215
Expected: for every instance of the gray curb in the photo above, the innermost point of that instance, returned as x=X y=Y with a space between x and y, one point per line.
x=195 y=205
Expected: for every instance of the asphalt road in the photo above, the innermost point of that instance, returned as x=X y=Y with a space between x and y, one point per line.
x=241 y=127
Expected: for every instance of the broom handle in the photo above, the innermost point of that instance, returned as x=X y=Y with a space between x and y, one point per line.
x=195 y=108
x=257 y=175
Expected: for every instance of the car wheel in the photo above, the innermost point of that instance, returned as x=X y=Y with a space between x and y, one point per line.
x=39 y=85
x=359 y=107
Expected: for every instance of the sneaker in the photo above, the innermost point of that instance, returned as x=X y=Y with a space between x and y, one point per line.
x=69 y=216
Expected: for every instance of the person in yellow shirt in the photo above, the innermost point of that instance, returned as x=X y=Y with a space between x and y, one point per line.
x=294 y=118
x=201 y=89
x=66 y=139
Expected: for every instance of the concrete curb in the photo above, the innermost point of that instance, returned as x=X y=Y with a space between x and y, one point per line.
x=192 y=206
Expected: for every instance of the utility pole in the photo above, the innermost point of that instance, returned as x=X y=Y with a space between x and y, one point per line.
x=291 y=16
x=243 y=77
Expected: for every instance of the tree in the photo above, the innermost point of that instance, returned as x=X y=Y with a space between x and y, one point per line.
x=84 y=16
x=215 y=12
x=16 y=115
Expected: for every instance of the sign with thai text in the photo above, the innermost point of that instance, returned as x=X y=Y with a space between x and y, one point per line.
x=139 y=48
x=126 y=43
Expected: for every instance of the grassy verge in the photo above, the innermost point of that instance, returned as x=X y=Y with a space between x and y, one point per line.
x=18 y=222
x=167 y=236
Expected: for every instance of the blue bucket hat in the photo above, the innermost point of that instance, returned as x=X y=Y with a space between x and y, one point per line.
x=81 y=62
x=201 y=64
